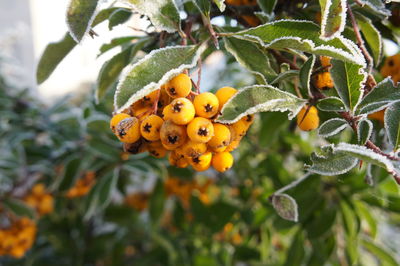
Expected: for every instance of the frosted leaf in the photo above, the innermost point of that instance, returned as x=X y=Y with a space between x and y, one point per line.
x=364 y=131
x=392 y=124
x=80 y=15
x=332 y=127
x=305 y=74
x=285 y=206
x=333 y=18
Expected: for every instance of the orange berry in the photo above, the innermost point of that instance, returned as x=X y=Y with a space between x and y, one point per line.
x=324 y=81
x=325 y=61
x=221 y=138
x=200 y=130
x=224 y=94
x=116 y=119
x=179 y=86
x=128 y=130
x=202 y=162
x=150 y=127
x=181 y=111
x=172 y=136
x=206 y=104
x=222 y=161
x=192 y=149
x=308 y=121
x=177 y=160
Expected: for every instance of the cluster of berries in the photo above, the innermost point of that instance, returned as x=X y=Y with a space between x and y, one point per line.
x=17 y=238
x=82 y=185
x=40 y=200
x=175 y=119
x=323 y=79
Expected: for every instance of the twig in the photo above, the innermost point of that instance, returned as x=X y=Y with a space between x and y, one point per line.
x=360 y=41
x=278 y=56
x=293 y=184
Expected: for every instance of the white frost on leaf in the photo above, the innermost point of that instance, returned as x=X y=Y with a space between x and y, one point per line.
x=88 y=26
x=338 y=124
x=153 y=85
x=324 y=20
x=369 y=133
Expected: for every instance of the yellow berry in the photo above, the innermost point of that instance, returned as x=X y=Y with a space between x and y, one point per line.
x=149 y=99
x=206 y=104
x=177 y=160
x=200 y=129
x=233 y=145
x=163 y=100
x=202 y=162
x=221 y=138
x=150 y=127
x=181 y=111
x=128 y=130
x=116 y=119
x=240 y=128
x=325 y=61
x=222 y=161
x=179 y=86
x=192 y=149
x=172 y=136
x=46 y=204
x=156 y=149
x=308 y=120
x=38 y=189
x=224 y=94
x=166 y=113
x=142 y=112
x=391 y=66
x=324 y=80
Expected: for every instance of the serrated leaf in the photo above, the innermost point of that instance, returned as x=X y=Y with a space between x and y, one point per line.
x=220 y=4
x=55 y=52
x=305 y=74
x=80 y=15
x=152 y=71
x=119 y=16
x=392 y=124
x=303 y=36
x=384 y=256
x=349 y=80
x=331 y=104
x=163 y=14
x=285 y=206
x=112 y=68
x=18 y=207
x=333 y=18
x=251 y=57
x=330 y=162
x=372 y=37
x=364 y=131
x=332 y=127
x=259 y=98
x=384 y=94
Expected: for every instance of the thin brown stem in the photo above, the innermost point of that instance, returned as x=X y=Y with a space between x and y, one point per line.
x=278 y=56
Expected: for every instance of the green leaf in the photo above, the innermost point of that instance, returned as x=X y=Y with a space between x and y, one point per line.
x=384 y=94
x=55 y=52
x=350 y=220
x=332 y=127
x=296 y=251
x=157 y=200
x=163 y=14
x=152 y=71
x=121 y=41
x=52 y=56
x=80 y=15
x=349 y=79
x=100 y=195
x=119 y=16
x=220 y=4
x=18 y=207
x=366 y=216
x=267 y=6
x=375 y=7
x=70 y=174
x=364 y=131
x=372 y=37
x=204 y=7
x=251 y=57
x=330 y=162
x=305 y=74
x=303 y=36
x=285 y=206
x=259 y=98
x=331 y=104
x=392 y=124
x=384 y=256
x=285 y=74
x=333 y=18
x=112 y=68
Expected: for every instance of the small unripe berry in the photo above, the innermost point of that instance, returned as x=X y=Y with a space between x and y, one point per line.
x=128 y=130
x=179 y=86
x=222 y=161
x=150 y=127
x=221 y=138
x=224 y=94
x=172 y=136
x=202 y=162
x=206 y=104
x=181 y=111
x=200 y=130
x=192 y=149
x=324 y=81
x=177 y=160
x=116 y=119
x=308 y=120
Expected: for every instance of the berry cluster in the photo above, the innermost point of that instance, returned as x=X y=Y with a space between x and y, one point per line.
x=17 y=238
x=40 y=200
x=178 y=120
x=82 y=185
